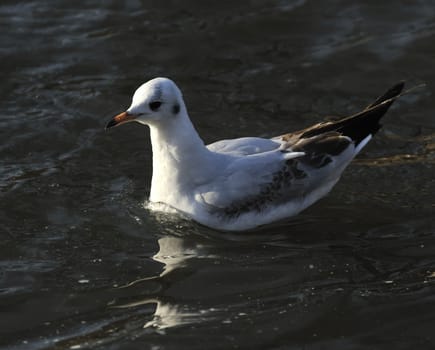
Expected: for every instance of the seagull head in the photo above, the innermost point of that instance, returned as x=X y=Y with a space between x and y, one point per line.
x=157 y=100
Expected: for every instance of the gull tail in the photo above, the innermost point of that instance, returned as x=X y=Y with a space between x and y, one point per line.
x=362 y=126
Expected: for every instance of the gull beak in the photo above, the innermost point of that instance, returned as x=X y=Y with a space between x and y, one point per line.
x=119 y=119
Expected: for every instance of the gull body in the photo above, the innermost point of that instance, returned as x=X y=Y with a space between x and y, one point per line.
x=243 y=183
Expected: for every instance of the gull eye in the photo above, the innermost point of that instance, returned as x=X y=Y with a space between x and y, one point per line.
x=154 y=106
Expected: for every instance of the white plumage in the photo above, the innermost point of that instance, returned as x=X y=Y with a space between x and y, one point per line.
x=244 y=183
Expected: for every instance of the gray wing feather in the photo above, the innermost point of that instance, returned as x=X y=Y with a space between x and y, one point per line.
x=271 y=178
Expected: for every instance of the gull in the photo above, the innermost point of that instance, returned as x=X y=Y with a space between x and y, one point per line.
x=243 y=183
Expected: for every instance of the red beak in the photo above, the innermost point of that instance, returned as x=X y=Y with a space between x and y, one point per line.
x=119 y=119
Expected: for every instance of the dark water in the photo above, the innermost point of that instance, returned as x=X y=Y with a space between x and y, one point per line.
x=84 y=265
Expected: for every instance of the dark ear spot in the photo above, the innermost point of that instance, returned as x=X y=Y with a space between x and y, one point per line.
x=176 y=108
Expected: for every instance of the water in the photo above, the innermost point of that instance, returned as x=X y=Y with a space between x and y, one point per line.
x=84 y=265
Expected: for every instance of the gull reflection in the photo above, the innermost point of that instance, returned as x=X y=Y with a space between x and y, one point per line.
x=169 y=315
x=174 y=253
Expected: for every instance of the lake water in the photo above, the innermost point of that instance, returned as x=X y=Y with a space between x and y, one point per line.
x=84 y=265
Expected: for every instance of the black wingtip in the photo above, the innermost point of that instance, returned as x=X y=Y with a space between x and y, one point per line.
x=392 y=92
x=362 y=124
x=367 y=122
x=396 y=89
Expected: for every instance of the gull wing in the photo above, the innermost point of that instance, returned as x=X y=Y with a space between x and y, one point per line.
x=290 y=167
x=254 y=183
x=244 y=146
x=357 y=127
